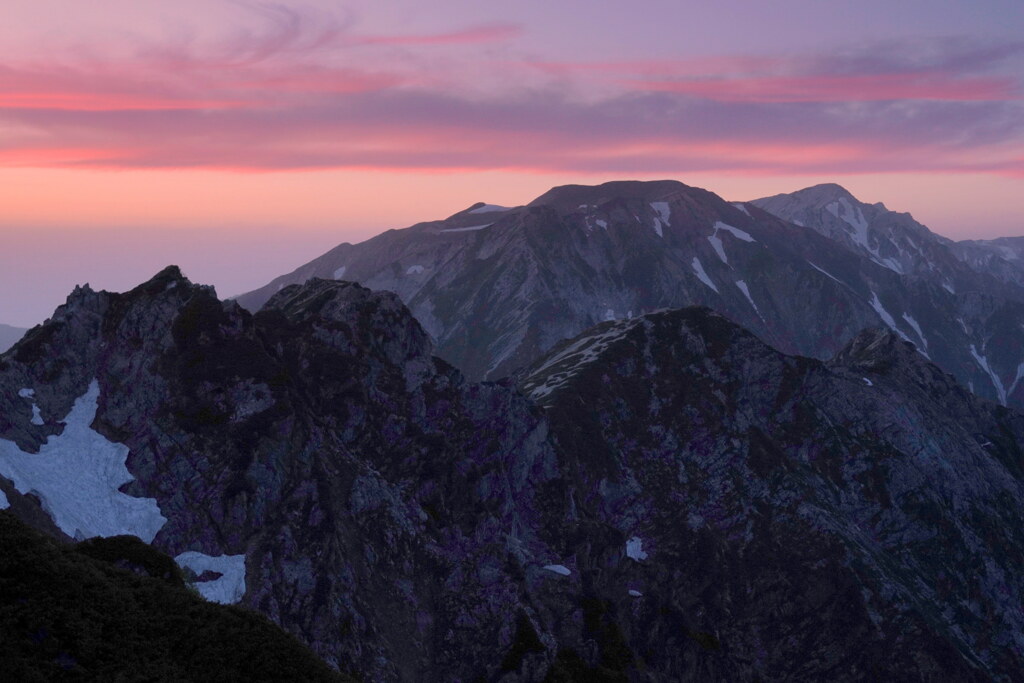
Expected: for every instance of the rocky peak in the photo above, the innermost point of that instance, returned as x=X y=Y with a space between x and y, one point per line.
x=567 y=198
x=820 y=195
x=347 y=313
x=877 y=349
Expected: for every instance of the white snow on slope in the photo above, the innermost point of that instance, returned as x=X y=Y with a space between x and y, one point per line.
x=884 y=315
x=868 y=382
x=917 y=328
x=469 y=229
x=664 y=214
x=716 y=241
x=826 y=273
x=414 y=270
x=1017 y=379
x=736 y=232
x=635 y=594
x=558 y=569
x=948 y=287
x=698 y=268
x=635 y=549
x=741 y=206
x=489 y=208
x=996 y=382
x=3 y=501
x=76 y=476
x=565 y=362
x=746 y=292
x=339 y=273
x=229 y=588
x=719 y=249
x=601 y=223
x=854 y=218
x=37 y=417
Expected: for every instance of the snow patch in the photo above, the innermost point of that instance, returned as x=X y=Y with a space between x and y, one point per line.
x=917 y=328
x=469 y=229
x=603 y=224
x=996 y=382
x=414 y=270
x=490 y=208
x=742 y=207
x=4 y=504
x=854 y=218
x=635 y=594
x=609 y=315
x=698 y=268
x=635 y=549
x=948 y=287
x=76 y=476
x=560 y=366
x=868 y=382
x=746 y=292
x=736 y=232
x=339 y=273
x=719 y=249
x=884 y=315
x=37 y=417
x=558 y=569
x=1017 y=379
x=229 y=588
x=826 y=273
x=664 y=215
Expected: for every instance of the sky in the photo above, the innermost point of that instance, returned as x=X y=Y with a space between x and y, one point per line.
x=240 y=139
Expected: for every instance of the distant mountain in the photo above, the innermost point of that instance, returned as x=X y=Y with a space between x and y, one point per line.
x=498 y=287
x=1002 y=257
x=9 y=335
x=671 y=499
x=985 y=277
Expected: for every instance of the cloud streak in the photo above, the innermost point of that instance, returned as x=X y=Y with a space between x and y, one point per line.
x=310 y=92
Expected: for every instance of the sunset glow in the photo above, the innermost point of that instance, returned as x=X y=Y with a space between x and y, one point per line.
x=311 y=123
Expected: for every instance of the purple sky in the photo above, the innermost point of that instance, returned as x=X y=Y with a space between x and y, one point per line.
x=242 y=138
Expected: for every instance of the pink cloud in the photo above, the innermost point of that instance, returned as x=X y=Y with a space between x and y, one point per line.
x=294 y=96
x=839 y=88
x=488 y=33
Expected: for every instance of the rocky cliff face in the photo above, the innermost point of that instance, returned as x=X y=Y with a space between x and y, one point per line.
x=849 y=520
x=498 y=287
x=676 y=500
x=382 y=509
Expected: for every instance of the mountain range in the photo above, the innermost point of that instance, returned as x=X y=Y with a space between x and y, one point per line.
x=663 y=497
x=630 y=432
x=497 y=287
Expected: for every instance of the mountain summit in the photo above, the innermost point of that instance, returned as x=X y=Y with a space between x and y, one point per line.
x=497 y=287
